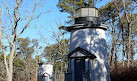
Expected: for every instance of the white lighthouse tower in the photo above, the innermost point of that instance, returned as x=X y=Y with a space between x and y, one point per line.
x=87 y=58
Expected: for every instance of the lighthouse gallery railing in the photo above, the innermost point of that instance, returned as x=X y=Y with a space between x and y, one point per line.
x=85 y=76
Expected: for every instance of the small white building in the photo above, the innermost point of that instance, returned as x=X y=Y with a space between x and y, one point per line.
x=45 y=72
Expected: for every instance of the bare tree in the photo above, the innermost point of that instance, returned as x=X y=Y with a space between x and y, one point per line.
x=56 y=53
x=128 y=8
x=16 y=16
x=121 y=16
x=1 y=13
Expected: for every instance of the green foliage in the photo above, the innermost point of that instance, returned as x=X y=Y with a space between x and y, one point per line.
x=18 y=62
x=2 y=57
x=56 y=52
x=71 y=6
x=2 y=69
x=25 y=65
x=38 y=58
x=25 y=47
x=121 y=17
x=109 y=11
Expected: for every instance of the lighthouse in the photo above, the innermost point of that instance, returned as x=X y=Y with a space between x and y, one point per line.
x=87 y=58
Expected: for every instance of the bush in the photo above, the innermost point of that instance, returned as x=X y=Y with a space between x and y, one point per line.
x=124 y=74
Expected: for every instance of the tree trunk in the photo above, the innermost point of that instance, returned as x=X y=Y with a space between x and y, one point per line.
x=129 y=47
x=132 y=52
x=9 y=77
x=116 y=61
x=123 y=42
x=112 y=49
x=123 y=55
x=1 y=28
x=36 y=74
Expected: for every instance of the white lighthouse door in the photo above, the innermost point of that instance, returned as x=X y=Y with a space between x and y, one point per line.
x=79 y=69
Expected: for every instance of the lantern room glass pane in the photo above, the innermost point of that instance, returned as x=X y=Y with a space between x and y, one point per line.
x=79 y=13
x=91 y=12
x=85 y=12
x=96 y=13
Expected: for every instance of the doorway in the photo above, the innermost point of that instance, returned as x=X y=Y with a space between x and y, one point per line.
x=79 y=69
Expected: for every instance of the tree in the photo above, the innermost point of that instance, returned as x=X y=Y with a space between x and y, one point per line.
x=109 y=16
x=24 y=65
x=2 y=68
x=1 y=13
x=56 y=54
x=71 y=6
x=26 y=51
x=16 y=18
x=119 y=14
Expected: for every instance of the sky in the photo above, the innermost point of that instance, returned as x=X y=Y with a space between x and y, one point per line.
x=47 y=22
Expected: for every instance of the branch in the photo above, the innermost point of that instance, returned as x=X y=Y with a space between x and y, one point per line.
x=10 y=16
x=9 y=40
x=118 y=11
x=134 y=21
x=5 y=60
x=125 y=11
x=16 y=10
x=1 y=28
x=30 y=19
x=40 y=15
x=16 y=20
x=24 y=27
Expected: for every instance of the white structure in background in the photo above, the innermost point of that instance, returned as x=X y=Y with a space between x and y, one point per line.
x=45 y=72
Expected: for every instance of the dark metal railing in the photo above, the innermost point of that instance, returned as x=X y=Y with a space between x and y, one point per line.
x=85 y=76
x=68 y=77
